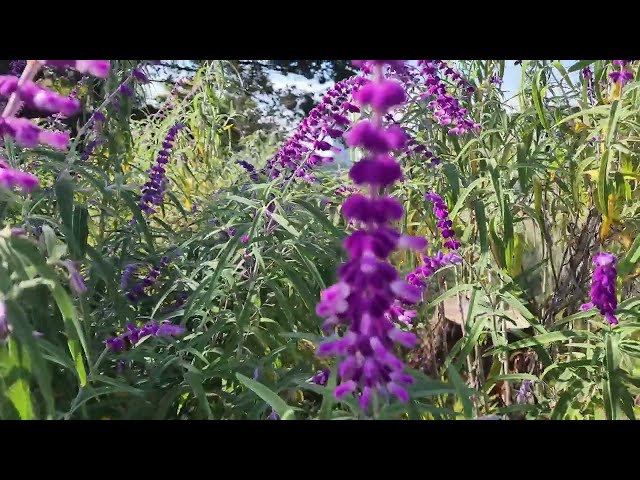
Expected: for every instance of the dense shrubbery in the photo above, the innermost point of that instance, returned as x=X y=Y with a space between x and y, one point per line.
x=472 y=260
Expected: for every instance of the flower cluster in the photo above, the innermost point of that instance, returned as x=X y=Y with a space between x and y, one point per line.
x=250 y=169
x=11 y=178
x=622 y=76
x=418 y=278
x=432 y=264
x=76 y=280
x=23 y=131
x=138 y=290
x=134 y=334
x=446 y=108
x=441 y=211
x=328 y=120
x=97 y=68
x=368 y=284
x=5 y=326
x=322 y=377
x=524 y=393
x=153 y=190
x=603 y=287
x=414 y=148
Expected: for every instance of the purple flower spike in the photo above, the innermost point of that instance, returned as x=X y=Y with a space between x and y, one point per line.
x=603 y=287
x=75 y=278
x=5 y=326
x=97 y=68
x=369 y=285
x=11 y=178
x=153 y=191
x=134 y=334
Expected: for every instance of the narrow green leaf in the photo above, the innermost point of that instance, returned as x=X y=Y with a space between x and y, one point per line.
x=280 y=406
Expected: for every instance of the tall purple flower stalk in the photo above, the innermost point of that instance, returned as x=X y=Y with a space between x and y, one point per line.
x=134 y=334
x=441 y=211
x=447 y=109
x=5 y=326
x=368 y=284
x=23 y=89
x=153 y=190
x=622 y=76
x=603 y=287
x=432 y=264
x=328 y=120
x=138 y=290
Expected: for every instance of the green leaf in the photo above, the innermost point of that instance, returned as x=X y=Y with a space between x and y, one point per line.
x=64 y=195
x=15 y=363
x=24 y=333
x=614 y=114
x=464 y=392
x=465 y=193
x=580 y=65
x=603 y=193
x=449 y=293
x=609 y=383
x=630 y=260
x=280 y=406
x=284 y=223
x=537 y=99
x=543 y=339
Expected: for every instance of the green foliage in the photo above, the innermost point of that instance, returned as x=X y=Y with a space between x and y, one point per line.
x=533 y=195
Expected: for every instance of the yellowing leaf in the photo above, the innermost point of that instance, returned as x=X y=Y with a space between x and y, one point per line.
x=611 y=208
x=605 y=228
x=616 y=91
x=593 y=174
x=579 y=126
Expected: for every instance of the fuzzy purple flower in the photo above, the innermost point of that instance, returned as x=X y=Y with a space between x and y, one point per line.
x=524 y=393
x=603 y=287
x=447 y=110
x=441 y=211
x=328 y=120
x=153 y=190
x=134 y=334
x=5 y=326
x=129 y=271
x=97 y=68
x=11 y=178
x=322 y=377
x=75 y=278
x=368 y=284
x=139 y=289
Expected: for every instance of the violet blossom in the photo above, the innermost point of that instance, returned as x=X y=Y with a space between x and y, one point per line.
x=368 y=284
x=23 y=131
x=134 y=334
x=441 y=211
x=328 y=120
x=5 y=326
x=12 y=178
x=603 y=287
x=622 y=76
x=524 y=393
x=447 y=109
x=75 y=278
x=139 y=289
x=153 y=190
x=322 y=377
